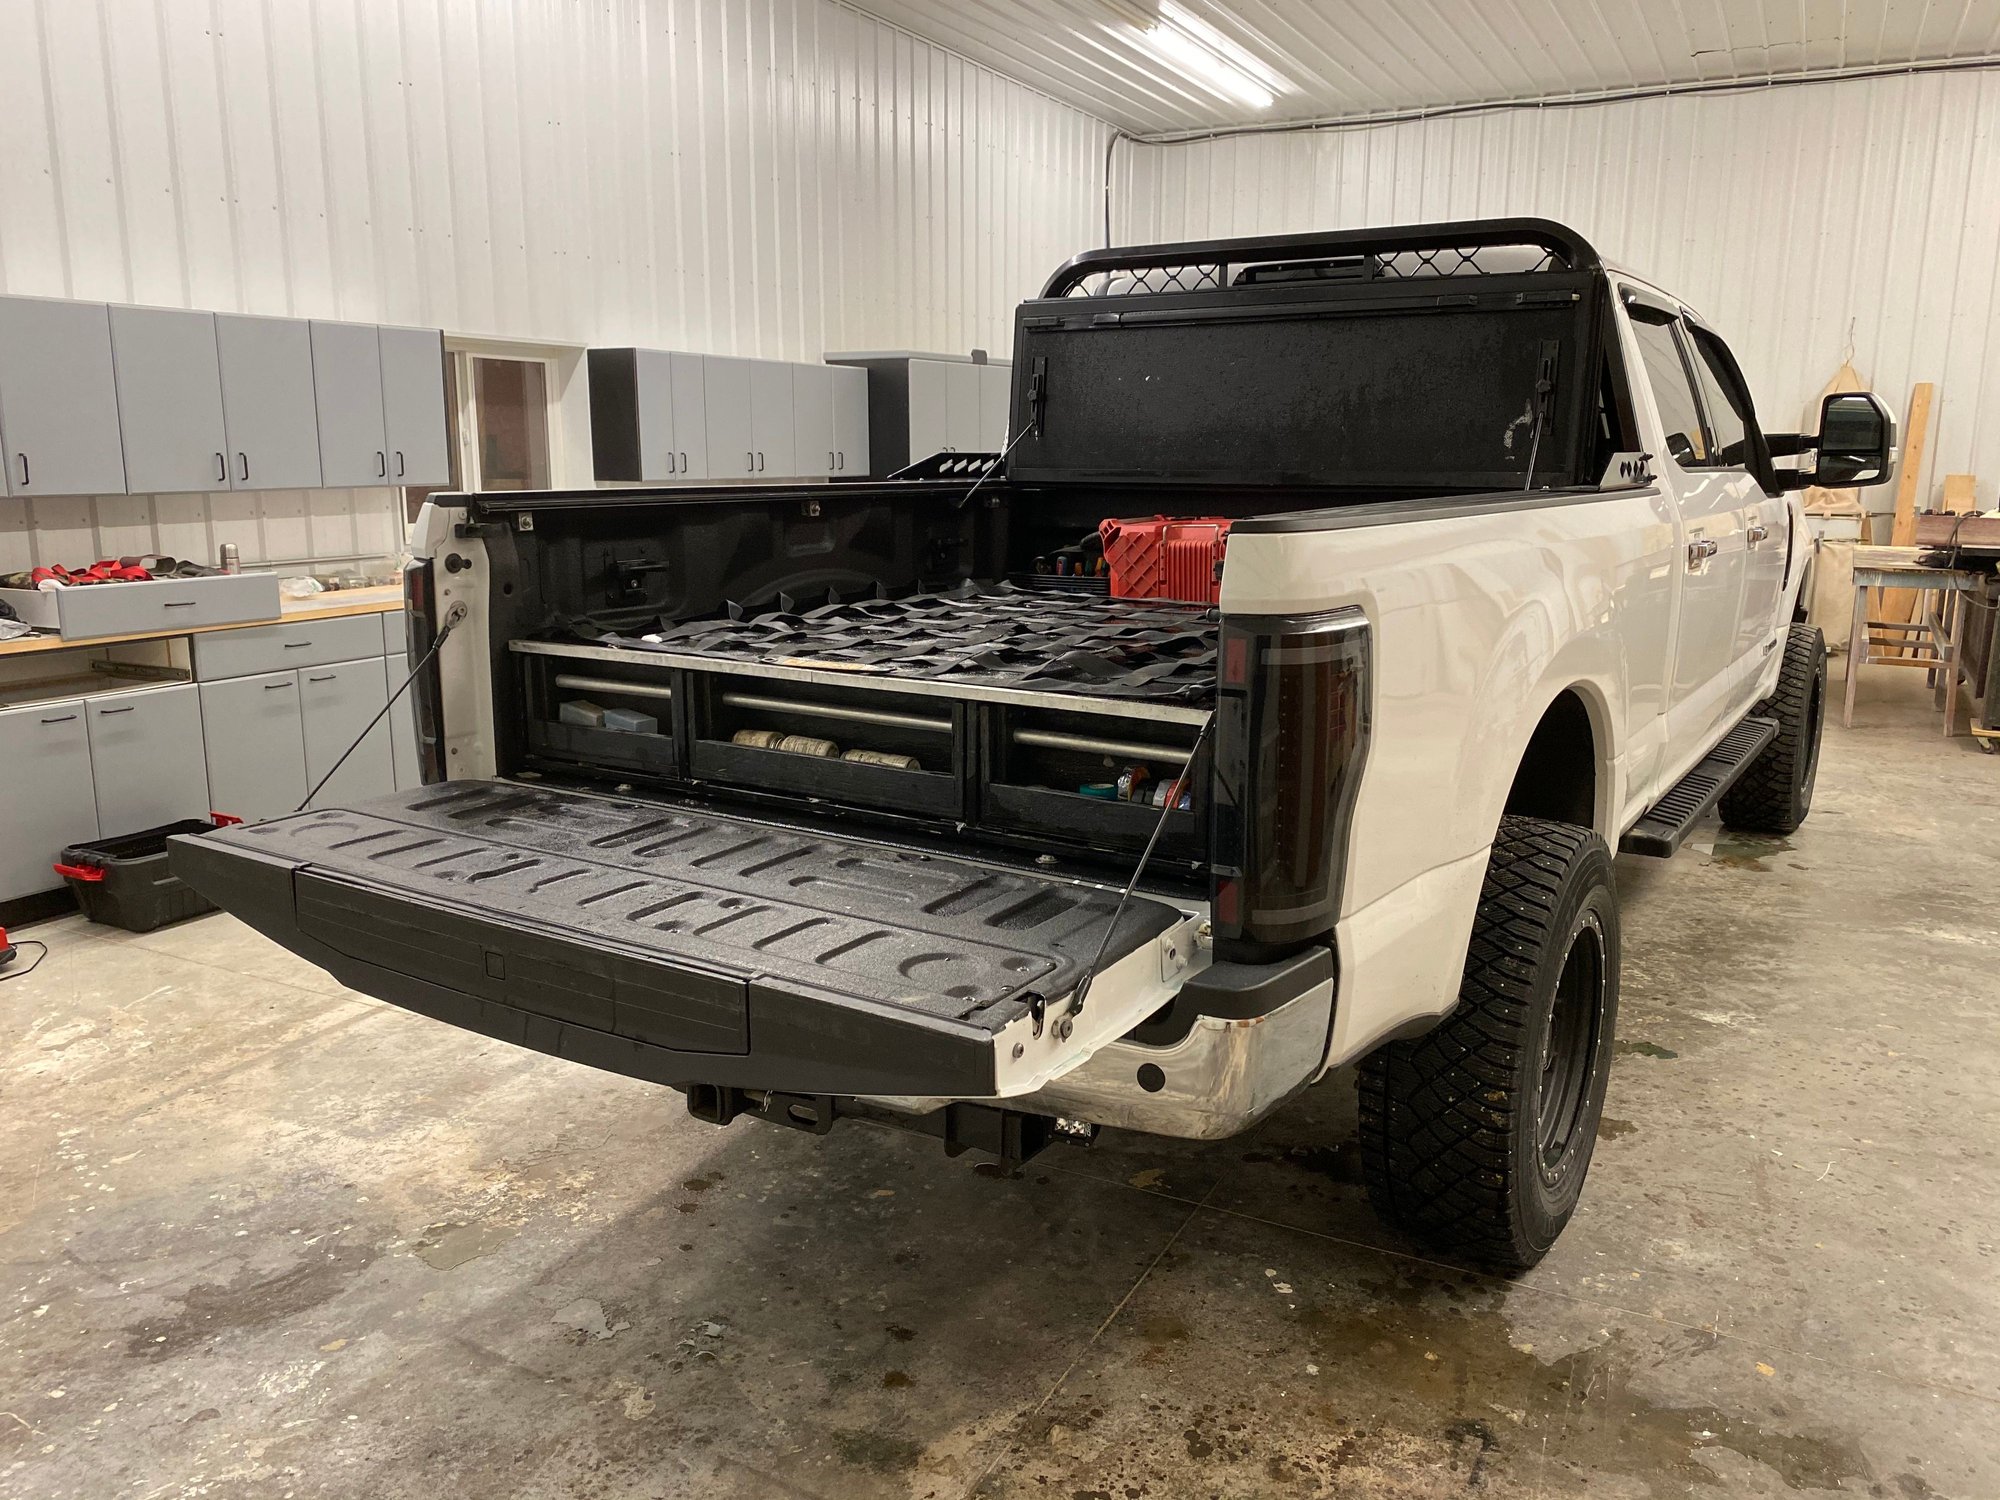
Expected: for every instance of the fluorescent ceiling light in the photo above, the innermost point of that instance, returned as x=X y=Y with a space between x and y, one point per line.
x=1206 y=58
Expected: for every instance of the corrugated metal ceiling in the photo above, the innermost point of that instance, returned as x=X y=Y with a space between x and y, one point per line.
x=1342 y=58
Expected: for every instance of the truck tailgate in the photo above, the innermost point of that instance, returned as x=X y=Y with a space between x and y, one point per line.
x=687 y=946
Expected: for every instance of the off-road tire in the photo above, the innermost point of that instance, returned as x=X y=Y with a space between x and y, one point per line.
x=1774 y=793
x=1456 y=1146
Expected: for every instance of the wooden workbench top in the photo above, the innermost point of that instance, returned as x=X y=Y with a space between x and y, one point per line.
x=328 y=606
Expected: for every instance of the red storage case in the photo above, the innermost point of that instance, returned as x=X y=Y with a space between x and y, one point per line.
x=1158 y=558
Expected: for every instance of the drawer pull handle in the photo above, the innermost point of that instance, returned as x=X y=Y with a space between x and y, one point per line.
x=295 y=645
x=324 y=677
x=107 y=712
x=59 y=719
x=179 y=603
x=276 y=687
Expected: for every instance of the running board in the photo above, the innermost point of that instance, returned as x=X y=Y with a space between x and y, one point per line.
x=1664 y=826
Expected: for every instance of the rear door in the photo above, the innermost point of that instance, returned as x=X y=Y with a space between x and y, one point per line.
x=684 y=946
x=1710 y=499
x=1767 y=518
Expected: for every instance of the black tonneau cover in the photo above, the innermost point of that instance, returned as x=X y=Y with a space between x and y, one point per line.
x=668 y=943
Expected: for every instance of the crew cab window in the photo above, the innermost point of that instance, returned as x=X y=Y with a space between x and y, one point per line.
x=1673 y=392
x=1725 y=422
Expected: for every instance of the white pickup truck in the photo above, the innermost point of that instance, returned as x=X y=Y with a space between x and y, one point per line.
x=878 y=799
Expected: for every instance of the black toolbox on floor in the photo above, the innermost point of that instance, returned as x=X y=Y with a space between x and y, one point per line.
x=125 y=882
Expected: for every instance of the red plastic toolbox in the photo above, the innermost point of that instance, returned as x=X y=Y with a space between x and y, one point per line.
x=1159 y=558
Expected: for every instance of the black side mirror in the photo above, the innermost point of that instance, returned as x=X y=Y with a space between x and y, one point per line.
x=1857 y=441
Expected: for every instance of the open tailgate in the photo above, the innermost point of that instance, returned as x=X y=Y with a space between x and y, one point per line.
x=686 y=946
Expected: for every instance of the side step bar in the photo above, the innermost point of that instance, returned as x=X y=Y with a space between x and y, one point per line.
x=1664 y=826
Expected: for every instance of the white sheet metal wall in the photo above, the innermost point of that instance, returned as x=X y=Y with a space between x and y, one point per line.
x=1792 y=218
x=771 y=177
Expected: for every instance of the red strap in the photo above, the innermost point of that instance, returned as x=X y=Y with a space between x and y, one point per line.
x=81 y=872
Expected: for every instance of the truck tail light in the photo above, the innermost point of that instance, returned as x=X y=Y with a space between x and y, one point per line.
x=1291 y=734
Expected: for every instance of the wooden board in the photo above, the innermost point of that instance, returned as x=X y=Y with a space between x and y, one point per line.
x=1961 y=493
x=1901 y=604
x=1973 y=533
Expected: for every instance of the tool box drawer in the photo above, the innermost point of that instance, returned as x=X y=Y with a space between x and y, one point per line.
x=281 y=648
x=159 y=607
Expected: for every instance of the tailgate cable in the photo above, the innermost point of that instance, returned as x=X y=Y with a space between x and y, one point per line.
x=1068 y=1023
x=452 y=620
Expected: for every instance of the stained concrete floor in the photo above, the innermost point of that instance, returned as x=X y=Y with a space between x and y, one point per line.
x=267 y=1238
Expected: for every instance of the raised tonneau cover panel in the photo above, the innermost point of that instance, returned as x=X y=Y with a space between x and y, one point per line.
x=668 y=943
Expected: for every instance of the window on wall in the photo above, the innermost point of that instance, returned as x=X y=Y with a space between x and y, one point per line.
x=1673 y=393
x=500 y=416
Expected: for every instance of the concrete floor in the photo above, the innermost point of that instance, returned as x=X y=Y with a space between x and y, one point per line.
x=267 y=1238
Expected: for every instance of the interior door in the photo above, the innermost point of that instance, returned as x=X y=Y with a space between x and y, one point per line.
x=169 y=400
x=347 y=393
x=268 y=405
x=1710 y=500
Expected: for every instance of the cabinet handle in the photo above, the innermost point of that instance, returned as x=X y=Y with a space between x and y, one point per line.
x=59 y=719
x=243 y=465
x=750 y=463
x=105 y=713
x=276 y=687
x=684 y=461
x=381 y=464
x=222 y=468
x=671 y=469
x=760 y=461
x=323 y=677
x=842 y=456
x=295 y=645
x=400 y=469
x=179 y=603
x=24 y=468
x=829 y=459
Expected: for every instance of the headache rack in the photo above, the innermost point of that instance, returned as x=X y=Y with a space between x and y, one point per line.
x=1052 y=722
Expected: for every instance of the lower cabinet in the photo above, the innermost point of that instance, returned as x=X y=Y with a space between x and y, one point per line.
x=336 y=704
x=403 y=725
x=147 y=759
x=256 y=742
x=45 y=749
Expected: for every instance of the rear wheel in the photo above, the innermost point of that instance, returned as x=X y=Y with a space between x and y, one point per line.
x=1774 y=793
x=1476 y=1136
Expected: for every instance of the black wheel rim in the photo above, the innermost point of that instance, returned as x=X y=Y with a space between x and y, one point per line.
x=1569 y=1044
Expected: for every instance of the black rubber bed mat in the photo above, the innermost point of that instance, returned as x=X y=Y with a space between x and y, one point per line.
x=668 y=943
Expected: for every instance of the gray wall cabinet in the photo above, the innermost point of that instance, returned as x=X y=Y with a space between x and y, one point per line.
x=732 y=445
x=413 y=416
x=268 y=405
x=58 y=399
x=850 y=420
x=147 y=758
x=658 y=416
x=169 y=400
x=46 y=750
x=812 y=419
x=347 y=394
x=921 y=404
x=773 y=432
x=254 y=736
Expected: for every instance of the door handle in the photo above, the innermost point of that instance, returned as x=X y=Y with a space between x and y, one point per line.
x=276 y=687
x=381 y=464
x=684 y=461
x=222 y=468
x=59 y=719
x=105 y=713
x=323 y=677
x=749 y=463
x=243 y=465
x=760 y=461
x=401 y=468
x=1757 y=534
x=1700 y=552
x=24 y=468
x=293 y=645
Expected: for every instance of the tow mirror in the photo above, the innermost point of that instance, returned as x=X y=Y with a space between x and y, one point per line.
x=1857 y=441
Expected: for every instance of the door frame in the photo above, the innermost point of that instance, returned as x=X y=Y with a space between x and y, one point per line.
x=568 y=393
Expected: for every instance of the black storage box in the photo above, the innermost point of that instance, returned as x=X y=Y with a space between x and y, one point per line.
x=125 y=882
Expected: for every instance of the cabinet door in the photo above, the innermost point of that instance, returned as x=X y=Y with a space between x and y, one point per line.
x=267 y=402
x=812 y=420
x=254 y=742
x=772 y=429
x=58 y=399
x=850 y=420
x=347 y=394
x=413 y=416
x=402 y=725
x=147 y=757
x=930 y=427
x=169 y=400
x=690 y=405
x=653 y=415
x=46 y=751
x=726 y=397
x=963 y=397
x=996 y=387
x=337 y=702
